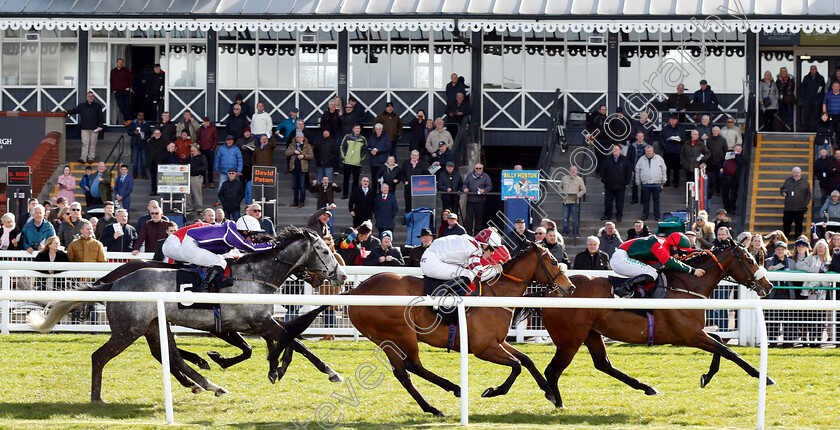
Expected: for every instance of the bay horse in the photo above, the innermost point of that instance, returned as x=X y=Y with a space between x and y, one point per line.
x=257 y=273
x=276 y=369
x=398 y=330
x=569 y=328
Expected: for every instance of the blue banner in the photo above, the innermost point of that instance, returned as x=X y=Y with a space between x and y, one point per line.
x=521 y=184
x=423 y=185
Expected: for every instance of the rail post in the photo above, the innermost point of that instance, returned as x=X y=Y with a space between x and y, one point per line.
x=465 y=353
x=762 y=367
x=164 y=361
x=4 y=318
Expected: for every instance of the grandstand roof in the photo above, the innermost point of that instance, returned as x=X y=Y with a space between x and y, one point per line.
x=569 y=15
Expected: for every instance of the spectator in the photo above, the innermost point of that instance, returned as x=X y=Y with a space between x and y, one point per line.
x=518 y=238
x=817 y=262
x=706 y=96
x=444 y=215
x=168 y=129
x=411 y=167
x=157 y=86
x=704 y=230
x=151 y=207
x=208 y=138
x=548 y=224
x=596 y=132
x=289 y=124
x=426 y=238
x=301 y=152
x=63 y=217
x=154 y=147
x=824 y=137
x=261 y=123
x=539 y=234
x=475 y=185
x=810 y=95
x=208 y=216
x=119 y=236
x=182 y=146
x=379 y=147
x=418 y=131
x=449 y=181
x=721 y=220
x=635 y=152
x=389 y=174
x=123 y=187
x=353 y=152
x=170 y=156
x=85 y=185
x=362 y=202
x=91 y=121
x=831 y=207
x=693 y=155
x=246 y=146
x=642 y=125
x=93 y=222
x=457 y=111
x=239 y=102
x=573 y=189
x=430 y=127
x=67 y=185
x=638 y=230
x=616 y=173
x=617 y=129
x=679 y=101
x=73 y=226
x=452 y=226
x=717 y=150
x=331 y=119
x=439 y=134
x=392 y=126
x=385 y=254
x=722 y=235
x=227 y=157
x=300 y=130
x=190 y=125
x=554 y=243
x=139 y=131
x=443 y=155
x=10 y=234
x=692 y=239
x=609 y=237
x=198 y=169
x=366 y=239
x=454 y=87
x=121 y=82
x=254 y=210
x=349 y=119
x=732 y=133
x=672 y=140
x=650 y=174
x=102 y=182
x=779 y=261
x=756 y=247
x=326 y=154
x=171 y=228
x=731 y=172
x=220 y=215
x=358 y=110
x=592 y=258
x=319 y=220
x=86 y=249
x=831 y=106
x=704 y=130
x=36 y=231
x=53 y=252
x=385 y=209
x=797 y=193
x=151 y=231
x=768 y=101
x=263 y=154
x=236 y=123
x=787 y=91
x=231 y=194
x=55 y=212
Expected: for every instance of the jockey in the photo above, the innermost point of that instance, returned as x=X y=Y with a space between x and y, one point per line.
x=172 y=245
x=634 y=257
x=457 y=258
x=203 y=246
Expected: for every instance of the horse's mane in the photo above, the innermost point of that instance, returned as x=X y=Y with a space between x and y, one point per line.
x=509 y=264
x=701 y=256
x=283 y=238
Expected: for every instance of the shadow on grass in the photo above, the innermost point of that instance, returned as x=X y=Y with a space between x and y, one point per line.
x=48 y=410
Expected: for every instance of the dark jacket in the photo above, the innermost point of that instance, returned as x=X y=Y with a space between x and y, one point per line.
x=671 y=146
x=718 y=148
x=453 y=107
x=390 y=176
x=348 y=120
x=326 y=151
x=138 y=139
x=167 y=157
x=609 y=244
x=418 y=134
x=44 y=256
x=415 y=255
x=452 y=90
x=373 y=258
x=457 y=229
x=708 y=97
x=812 y=89
x=385 y=211
x=448 y=180
x=235 y=125
x=149 y=234
x=383 y=144
x=616 y=174
x=325 y=196
x=332 y=122
x=779 y=293
x=168 y=131
x=518 y=243
x=156 y=86
x=823 y=172
x=91 y=115
x=558 y=250
x=154 y=149
x=124 y=243
x=314 y=223
x=477 y=182
x=689 y=153
x=798 y=194
x=198 y=164
x=263 y=156
x=678 y=101
x=740 y=161
x=407 y=170
x=631 y=233
x=362 y=204
x=231 y=195
x=586 y=261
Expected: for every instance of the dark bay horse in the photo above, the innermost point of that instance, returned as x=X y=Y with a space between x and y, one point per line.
x=569 y=328
x=401 y=328
x=258 y=273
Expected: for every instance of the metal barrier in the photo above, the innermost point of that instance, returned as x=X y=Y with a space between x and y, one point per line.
x=113 y=257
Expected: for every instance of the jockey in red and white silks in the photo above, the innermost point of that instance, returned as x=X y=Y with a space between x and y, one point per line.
x=456 y=256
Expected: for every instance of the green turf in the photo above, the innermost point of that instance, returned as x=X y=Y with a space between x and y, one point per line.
x=46 y=383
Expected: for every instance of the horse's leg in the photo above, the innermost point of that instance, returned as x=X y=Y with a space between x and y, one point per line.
x=276 y=371
x=177 y=362
x=319 y=364
x=408 y=349
x=706 y=343
x=235 y=339
x=119 y=341
x=559 y=363
x=194 y=358
x=529 y=364
x=595 y=343
x=495 y=353
x=714 y=366
x=153 y=339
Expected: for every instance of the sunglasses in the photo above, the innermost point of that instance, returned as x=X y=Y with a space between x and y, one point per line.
x=154 y=213
x=76 y=210
x=538 y=233
x=256 y=210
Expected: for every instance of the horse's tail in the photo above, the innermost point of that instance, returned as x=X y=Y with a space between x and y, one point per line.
x=293 y=329
x=45 y=319
x=522 y=314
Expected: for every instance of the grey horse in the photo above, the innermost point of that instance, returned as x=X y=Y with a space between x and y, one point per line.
x=252 y=274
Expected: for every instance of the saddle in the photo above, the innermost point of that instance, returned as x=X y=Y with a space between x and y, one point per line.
x=457 y=287
x=651 y=290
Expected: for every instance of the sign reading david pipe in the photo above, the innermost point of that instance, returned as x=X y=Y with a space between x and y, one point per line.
x=174 y=178
x=19 y=138
x=521 y=184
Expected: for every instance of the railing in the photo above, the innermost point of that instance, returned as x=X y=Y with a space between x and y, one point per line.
x=554 y=134
x=119 y=147
x=112 y=257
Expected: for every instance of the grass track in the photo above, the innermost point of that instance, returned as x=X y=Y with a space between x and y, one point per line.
x=46 y=384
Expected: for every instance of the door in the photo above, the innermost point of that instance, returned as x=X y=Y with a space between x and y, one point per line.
x=143 y=59
x=825 y=67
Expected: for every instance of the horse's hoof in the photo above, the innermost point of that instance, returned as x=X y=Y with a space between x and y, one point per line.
x=650 y=391
x=457 y=393
x=204 y=365
x=272 y=376
x=220 y=392
x=490 y=392
x=704 y=379
x=196 y=389
x=98 y=400
x=335 y=377
x=770 y=381
x=560 y=406
x=214 y=355
x=437 y=413
x=550 y=398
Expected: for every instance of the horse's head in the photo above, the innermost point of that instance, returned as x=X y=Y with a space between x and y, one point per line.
x=744 y=269
x=320 y=263
x=542 y=268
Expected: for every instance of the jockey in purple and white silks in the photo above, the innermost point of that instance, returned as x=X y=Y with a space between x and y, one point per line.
x=203 y=246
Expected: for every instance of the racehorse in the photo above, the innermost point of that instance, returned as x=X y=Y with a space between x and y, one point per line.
x=257 y=273
x=569 y=328
x=397 y=330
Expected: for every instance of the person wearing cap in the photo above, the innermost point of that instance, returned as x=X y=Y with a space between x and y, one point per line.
x=706 y=96
x=452 y=226
x=231 y=194
x=671 y=139
x=228 y=157
x=261 y=123
x=721 y=220
x=320 y=219
x=732 y=133
x=354 y=150
x=780 y=260
x=426 y=238
x=633 y=258
x=476 y=184
x=692 y=238
x=704 y=230
x=439 y=134
x=385 y=254
x=60 y=203
x=285 y=128
x=385 y=209
x=519 y=237
x=449 y=181
x=204 y=246
x=797 y=193
x=392 y=125
x=443 y=155
x=678 y=101
x=349 y=117
x=300 y=151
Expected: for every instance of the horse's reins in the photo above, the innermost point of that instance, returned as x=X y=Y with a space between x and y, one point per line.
x=715 y=262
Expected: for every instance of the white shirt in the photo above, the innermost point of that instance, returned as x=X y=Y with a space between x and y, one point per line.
x=261 y=123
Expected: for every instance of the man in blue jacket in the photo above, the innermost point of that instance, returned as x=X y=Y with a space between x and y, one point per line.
x=706 y=96
x=385 y=209
x=123 y=187
x=36 y=231
x=227 y=157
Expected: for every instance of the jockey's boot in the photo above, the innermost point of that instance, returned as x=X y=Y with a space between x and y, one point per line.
x=210 y=275
x=628 y=287
x=453 y=288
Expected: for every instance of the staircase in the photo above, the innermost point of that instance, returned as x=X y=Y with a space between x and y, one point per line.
x=775 y=157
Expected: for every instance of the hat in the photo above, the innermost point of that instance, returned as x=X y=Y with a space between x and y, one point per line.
x=673 y=116
x=691 y=233
x=248 y=129
x=721 y=211
x=442 y=143
x=425 y=232
x=619 y=110
x=802 y=242
x=387 y=233
x=232 y=169
x=294 y=110
x=780 y=244
x=703 y=82
x=207 y=118
x=230 y=137
x=520 y=220
x=452 y=216
x=61 y=200
x=349 y=230
x=389 y=104
x=328 y=213
x=450 y=163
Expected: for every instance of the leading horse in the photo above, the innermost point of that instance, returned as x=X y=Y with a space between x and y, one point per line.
x=258 y=273
x=398 y=330
x=569 y=328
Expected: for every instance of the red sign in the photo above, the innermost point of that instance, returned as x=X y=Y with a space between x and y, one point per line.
x=19 y=176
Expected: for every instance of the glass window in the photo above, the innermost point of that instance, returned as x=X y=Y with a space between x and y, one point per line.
x=29 y=63
x=198 y=59
x=378 y=66
x=492 y=65
x=11 y=63
x=69 y=66
x=358 y=70
x=555 y=67
x=49 y=63
x=11 y=34
x=98 y=64
x=268 y=68
x=512 y=66
x=577 y=66
x=535 y=68
x=179 y=66
x=318 y=67
x=246 y=65
x=733 y=77
x=227 y=66
x=400 y=65
x=286 y=69
x=421 y=69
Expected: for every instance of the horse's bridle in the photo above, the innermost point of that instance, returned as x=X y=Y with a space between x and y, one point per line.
x=550 y=286
x=738 y=251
